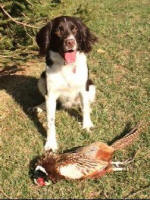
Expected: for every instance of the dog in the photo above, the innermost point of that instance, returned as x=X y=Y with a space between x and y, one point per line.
x=64 y=42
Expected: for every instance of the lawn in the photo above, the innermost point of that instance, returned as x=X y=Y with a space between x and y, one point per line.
x=120 y=67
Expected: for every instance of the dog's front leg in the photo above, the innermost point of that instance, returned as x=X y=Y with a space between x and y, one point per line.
x=87 y=123
x=51 y=142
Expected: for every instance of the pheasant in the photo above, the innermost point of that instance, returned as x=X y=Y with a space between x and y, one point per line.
x=92 y=161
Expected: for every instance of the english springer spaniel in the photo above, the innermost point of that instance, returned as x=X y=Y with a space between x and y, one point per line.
x=64 y=42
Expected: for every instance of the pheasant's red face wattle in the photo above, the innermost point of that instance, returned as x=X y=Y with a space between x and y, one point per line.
x=41 y=181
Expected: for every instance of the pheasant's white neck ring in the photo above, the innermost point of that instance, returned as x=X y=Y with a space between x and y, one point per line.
x=41 y=169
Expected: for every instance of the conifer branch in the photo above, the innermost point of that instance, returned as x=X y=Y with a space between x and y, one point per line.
x=12 y=19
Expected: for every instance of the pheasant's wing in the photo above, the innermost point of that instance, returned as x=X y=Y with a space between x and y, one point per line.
x=97 y=150
x=78 y=167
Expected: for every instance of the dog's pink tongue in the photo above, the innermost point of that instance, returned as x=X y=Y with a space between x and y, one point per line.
x=70 y=57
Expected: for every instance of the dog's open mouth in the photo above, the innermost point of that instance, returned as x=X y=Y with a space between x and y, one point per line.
x=70 y=56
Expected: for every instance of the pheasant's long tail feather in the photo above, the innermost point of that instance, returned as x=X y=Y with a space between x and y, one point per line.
x=129 y=138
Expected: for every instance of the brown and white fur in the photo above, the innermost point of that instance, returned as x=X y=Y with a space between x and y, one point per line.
x=67 y=82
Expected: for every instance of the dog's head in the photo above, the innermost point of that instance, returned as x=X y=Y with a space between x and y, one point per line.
x=65 y=34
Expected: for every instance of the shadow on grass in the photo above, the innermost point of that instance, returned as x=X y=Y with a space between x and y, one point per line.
x=125 y=131
x=25 y=92
x=74 y=113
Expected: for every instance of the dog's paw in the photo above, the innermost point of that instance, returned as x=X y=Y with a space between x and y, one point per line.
x=35 y=109
x=88 y=125
x=51 y=146
x=38 y=109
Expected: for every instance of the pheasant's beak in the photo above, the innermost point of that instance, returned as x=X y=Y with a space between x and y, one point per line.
x=41 y=177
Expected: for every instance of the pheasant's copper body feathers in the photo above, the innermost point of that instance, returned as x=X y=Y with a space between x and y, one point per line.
x=75 y=165
x=91 y=161
x=97 y=150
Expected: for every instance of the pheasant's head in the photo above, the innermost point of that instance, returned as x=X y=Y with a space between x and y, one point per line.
x=41 y=176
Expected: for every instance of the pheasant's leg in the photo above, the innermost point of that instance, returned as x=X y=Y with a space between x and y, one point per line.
x=118 y=163
x=118 y=168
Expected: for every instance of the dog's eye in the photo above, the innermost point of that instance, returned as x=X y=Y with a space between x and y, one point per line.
x=60 y=29
x=73 y=29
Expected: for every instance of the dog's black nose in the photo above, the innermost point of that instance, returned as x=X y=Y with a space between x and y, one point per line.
x=69 y=43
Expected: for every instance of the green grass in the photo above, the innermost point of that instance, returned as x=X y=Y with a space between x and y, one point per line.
x=119 y=65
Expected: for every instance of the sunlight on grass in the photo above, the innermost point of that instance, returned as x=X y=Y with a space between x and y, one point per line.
x=119 y=66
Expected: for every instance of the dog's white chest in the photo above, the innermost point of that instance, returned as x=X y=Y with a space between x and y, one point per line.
x=67 y=79
x=72 y=76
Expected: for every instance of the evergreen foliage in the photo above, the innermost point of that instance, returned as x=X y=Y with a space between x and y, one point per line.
x=20 y=19
x=13 y=34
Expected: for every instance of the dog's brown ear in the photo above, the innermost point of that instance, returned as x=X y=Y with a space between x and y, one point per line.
x=87 y=39
x=43 y=38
